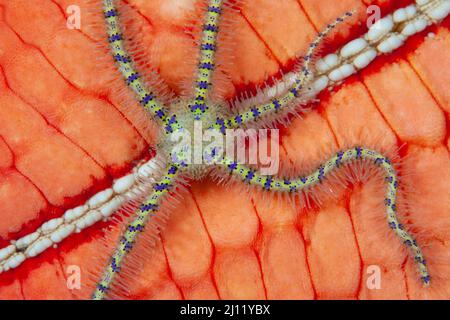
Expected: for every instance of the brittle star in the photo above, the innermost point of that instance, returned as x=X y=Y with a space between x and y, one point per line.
x=298 y=87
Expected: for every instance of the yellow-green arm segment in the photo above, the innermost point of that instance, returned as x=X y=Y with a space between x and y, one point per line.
x=125 y=65
x=278 y=106
x=271 y=183
x=206 y=65
x=148 y=209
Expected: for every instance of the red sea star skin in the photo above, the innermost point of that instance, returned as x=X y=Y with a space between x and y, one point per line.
x=242 y=241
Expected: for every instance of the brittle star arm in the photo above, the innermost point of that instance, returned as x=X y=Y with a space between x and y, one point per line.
x=148 y=209
x=206 y=64
x=281 y=104
x=292 y=186
x=126 y=67
x=125 y=62
x=383 y=37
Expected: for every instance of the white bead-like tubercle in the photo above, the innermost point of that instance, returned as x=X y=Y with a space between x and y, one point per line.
x=14 y=261
x=327 y=63
x=111 y=206
x=320 y=84
x=7 y=251
x=62 y=232
x=317 y=86
x=26 y=240
x=439 y=12
x=365 y=58
x=88 y=220
x=353 y=47
x=414 y=27
x=393 y=42
x=75 y=213
x=100 y=198
x=51 y=225
x=380 y=28
x=38 y=247
x=342 y=72
x=404 y=14
x=123 y=184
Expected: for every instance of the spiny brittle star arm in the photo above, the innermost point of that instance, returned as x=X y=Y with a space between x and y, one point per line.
x=208 y=46
x=383 y=37
x=145 y=212
x=282 y=103
x=293 y=186
x=126 y=67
